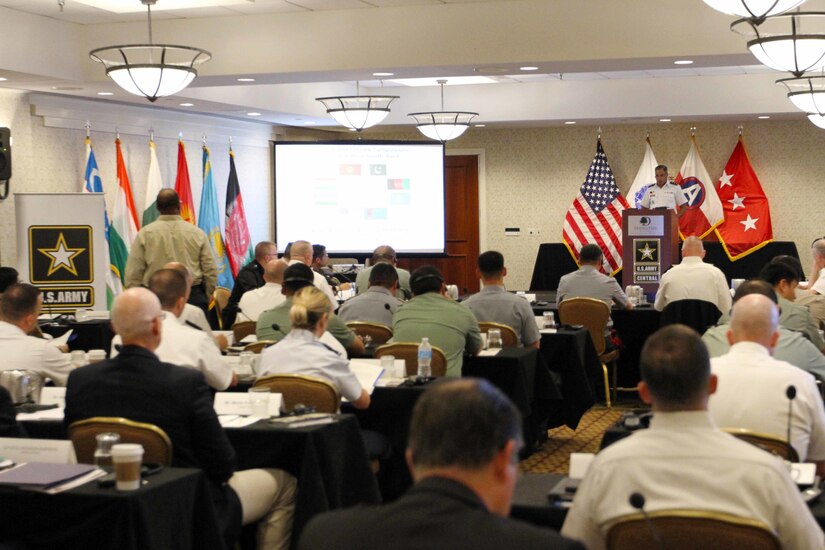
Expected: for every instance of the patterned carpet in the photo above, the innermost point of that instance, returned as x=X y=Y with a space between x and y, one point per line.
x=554 y=455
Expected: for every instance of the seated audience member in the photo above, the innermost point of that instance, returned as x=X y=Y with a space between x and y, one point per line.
x=250 y=277
x=320 y=264
x=8 y=417
x=752 y=385
x=463 y=450
x=296 y=277
x=693 y=279
x=8 y=277
x=683 y=461
x=783 y=275
x=448 y=324
x=255 y=302
x=385 y=254
x=816 y=280
x=494 y=304
x=587 y=282
x=301 y=351
x=287 y=255
x=815 y=304
x=301 y=252
x=191 y=314
x=379 y=302
x=138 y=386
x=180 y=344
x=19 y=309
x=791 y=347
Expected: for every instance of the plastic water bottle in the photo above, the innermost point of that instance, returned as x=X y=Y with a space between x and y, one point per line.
x=425 y=358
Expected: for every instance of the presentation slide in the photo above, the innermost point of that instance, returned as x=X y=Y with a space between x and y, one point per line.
x=355 y=196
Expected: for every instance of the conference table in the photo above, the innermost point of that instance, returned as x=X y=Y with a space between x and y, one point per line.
x=172 y=510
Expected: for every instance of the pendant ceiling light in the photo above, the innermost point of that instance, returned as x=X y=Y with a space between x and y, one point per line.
x=443 y=125
x=793 y=42
x=358 y=111
x=807 y=93
x=151 y=70
x=756 y=10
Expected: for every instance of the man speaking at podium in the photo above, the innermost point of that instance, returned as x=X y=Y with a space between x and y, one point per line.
x=664 y=194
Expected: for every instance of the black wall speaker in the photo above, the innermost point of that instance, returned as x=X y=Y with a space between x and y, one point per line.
x=5 y=154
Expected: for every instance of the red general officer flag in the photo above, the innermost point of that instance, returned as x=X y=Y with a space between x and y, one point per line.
x=182 y=187
x=747 y=224
x=704 y=211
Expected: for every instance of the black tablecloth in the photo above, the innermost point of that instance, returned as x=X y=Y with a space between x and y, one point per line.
x=571 y=354
x=95 y=334
x=172 y=511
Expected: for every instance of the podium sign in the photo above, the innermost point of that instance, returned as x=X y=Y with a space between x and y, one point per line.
x=650 y=245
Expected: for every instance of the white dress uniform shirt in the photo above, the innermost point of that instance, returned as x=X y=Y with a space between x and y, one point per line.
x=668 y=196
x=20 y=351
x=196 y=316
x=751 y=395
x=189 y=347
x=693 y=279
x=300 y=352
x=256 y=301
x=320 y=282
x=684 y=461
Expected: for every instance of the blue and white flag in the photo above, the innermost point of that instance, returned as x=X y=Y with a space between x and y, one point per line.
x=645 y=177
x=209 y=219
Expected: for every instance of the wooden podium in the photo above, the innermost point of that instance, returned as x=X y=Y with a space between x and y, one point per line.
x=650 y=246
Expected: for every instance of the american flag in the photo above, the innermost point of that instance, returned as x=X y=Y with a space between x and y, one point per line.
x=595 y=216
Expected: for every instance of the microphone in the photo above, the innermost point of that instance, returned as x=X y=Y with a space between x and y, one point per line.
x=387 y=307
x=637 y=500
x=277 y=328
x=790 y=393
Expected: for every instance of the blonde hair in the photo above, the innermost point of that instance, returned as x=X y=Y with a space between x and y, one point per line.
x=308 y=306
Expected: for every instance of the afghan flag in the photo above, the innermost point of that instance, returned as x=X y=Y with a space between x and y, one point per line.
x=747 y=224
x=124 y=227
x=182 y=187
x=154 y=183
x=238 y=243
x=209 y=219
x=704 y=211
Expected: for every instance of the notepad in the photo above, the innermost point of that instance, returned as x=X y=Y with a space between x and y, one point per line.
x=43 y=475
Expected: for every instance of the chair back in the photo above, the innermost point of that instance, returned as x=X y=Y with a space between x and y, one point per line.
x=408 y=351
x=157 y=447
x=372 y=333
x=258 y=347
x=300 y=389
x=766 y=442
x=221 y=296
x=690 y=529
x=243 y=329
x=593 y=314
x=697 y=314
x=509 y=338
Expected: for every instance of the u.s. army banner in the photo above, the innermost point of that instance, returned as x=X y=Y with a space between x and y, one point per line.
x=61 y=248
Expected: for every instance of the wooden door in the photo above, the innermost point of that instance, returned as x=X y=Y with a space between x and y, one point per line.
x=461 y=213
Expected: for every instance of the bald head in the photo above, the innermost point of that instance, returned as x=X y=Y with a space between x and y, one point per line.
x=136 y=318
x=754 y=318
x=693 y=247
x=384 y=253
x=274 y=271
x=301 y=251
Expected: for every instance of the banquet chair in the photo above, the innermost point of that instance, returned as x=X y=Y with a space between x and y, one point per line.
x=296 y=389
x=258 y=347
x=697 y=314
x=374 y=333
x=689 y=529
x=593 y=315
x=221 y=296
x=157 y=447
x=509 y=338
x=243 y=329
x=408 y=351
x=766 y=442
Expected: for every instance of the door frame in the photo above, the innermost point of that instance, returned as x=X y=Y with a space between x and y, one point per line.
x=482 y=191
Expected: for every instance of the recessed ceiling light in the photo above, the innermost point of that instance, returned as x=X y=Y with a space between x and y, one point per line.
x=253 y=114
x=105 y=93
x=245 y=79
x=664 y=120
x=480 y=125
x=66 y=88
x=528 y=68
x=3 y=79
x=570 y=122
x=383 y=74
x=683 y=62
x=763 y=116
x=309 y=122
x=187 y=104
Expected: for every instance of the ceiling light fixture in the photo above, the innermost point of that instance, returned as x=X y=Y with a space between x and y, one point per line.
x=763 y=117
x=253 y=114
x=664 y=120
x=529 y=68
x=383 y=74
x=756 y=10
x=187 y=104
x=683 y=62
x=357 y=112
x=245 y=79
x=3 y=79
x=151 y=70
x=105 y=93
x=443 y=125
x=806 y=93
x=569 y=122
x=793 y=42
x=817 y=120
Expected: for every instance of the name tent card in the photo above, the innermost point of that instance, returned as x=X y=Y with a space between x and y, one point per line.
x=238 y=403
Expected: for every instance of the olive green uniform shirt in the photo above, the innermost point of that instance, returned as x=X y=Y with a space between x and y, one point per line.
x=280 y=316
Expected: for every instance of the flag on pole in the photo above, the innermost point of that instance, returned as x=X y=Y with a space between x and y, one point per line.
x=238 y=242
x=93 y=184
x=704 y=211
x=210 y=221
x=645 y=177
x=182 y=187
x=747 y=224
x=124 y=226
x=154 y=183
x=596 y=214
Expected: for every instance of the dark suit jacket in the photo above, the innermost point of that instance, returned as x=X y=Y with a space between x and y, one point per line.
x=436 y=513
x=8 y=417
x=250 y=277
x=138 y=386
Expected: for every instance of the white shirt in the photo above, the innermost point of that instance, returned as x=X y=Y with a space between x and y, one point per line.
x=189 y=347
x=196 y=316
x=300 y=352
x=684 y=461
x=669 y=196
x=321 y=283
x=693 y=279
x=751 y=395
x=256 y=301
x=20 y=351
